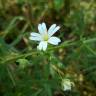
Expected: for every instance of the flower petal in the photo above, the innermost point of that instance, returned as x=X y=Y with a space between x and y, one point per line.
x=53 y=30
x=42 y=28
x=34 y=34
x=35 y=38
x=54 y=40
x=67 y=87
x=42 y=45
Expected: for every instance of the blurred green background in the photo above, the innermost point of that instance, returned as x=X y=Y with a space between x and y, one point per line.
x=24 y=71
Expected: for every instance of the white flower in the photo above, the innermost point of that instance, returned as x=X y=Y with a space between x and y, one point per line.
x=45 y=36
x=67 y=84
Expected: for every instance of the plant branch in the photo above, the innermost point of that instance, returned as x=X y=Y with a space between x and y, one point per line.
x=65 y=44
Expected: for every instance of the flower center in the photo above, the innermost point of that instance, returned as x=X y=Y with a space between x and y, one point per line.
x=45 y=37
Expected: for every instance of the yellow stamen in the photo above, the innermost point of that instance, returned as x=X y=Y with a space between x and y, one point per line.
x=45 y=37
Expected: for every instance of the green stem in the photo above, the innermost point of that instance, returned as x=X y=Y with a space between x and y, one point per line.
x=20 y=36
x=18 y=56
x=11 y=25
x=65 y=44
x=11 y=76
x=90 y=40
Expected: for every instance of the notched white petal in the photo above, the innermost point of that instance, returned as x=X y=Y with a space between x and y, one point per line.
x=51 y=29
x=54 y=40
x=35 y=34
x=44 y=27
x=40 y=29
x=42 y=45
x=35 y=38
x=39 y=47
x=54 y=31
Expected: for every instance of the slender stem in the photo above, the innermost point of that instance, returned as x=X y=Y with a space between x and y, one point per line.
x=20 y=36
x=18 y=56
x=11 y=25
x=65 y=44
x=11 y=76
x=57 y=69
x=90 y=40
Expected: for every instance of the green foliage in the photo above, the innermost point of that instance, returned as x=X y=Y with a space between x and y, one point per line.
x=22 y=63
x=26 y=71
x=58 y=4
